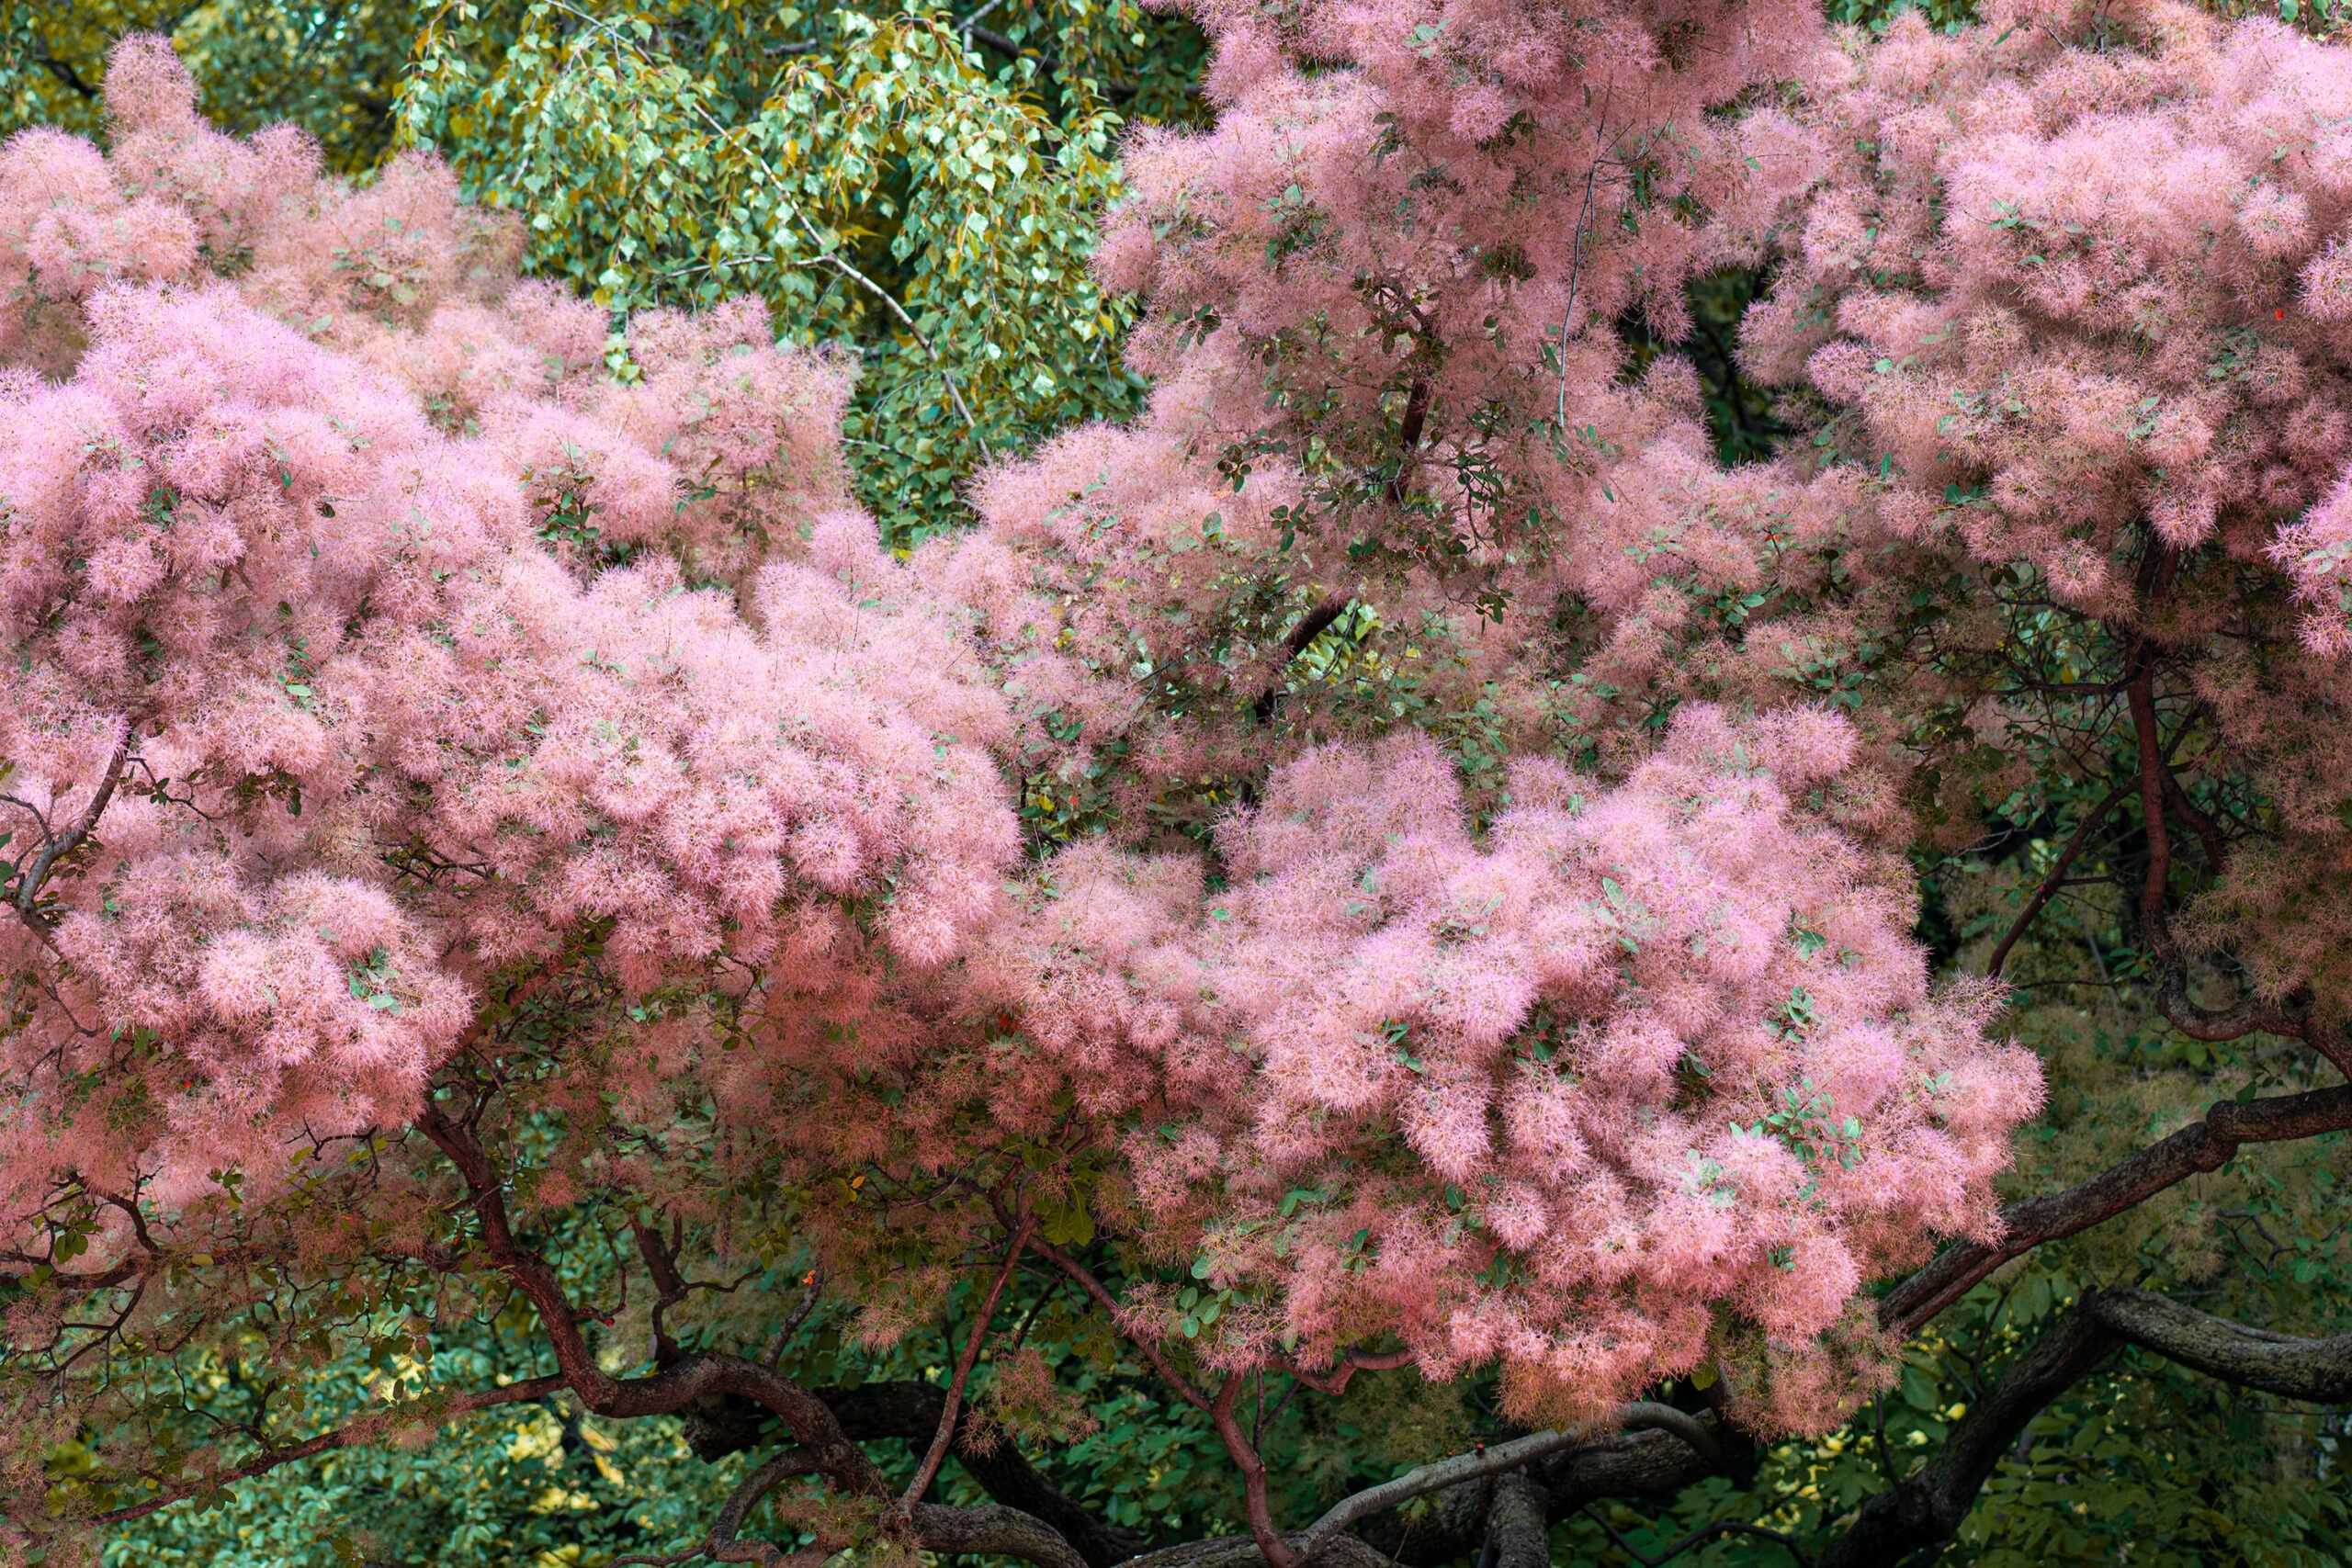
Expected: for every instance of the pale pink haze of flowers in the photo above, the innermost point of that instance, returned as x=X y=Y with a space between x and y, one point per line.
x=2089 y=309
x=1592 y=1076
x=438 y=652
x=326 y=549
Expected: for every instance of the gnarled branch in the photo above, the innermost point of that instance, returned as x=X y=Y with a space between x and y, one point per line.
x=1439 y=1474
x=2317 y=1369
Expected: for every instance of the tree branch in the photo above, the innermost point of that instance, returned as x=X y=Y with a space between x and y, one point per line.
x=673 y=1387
x=2057 y=876
x=726 y=1543
x=1110 y=1303
x=1244 y=1454
x=1923 y=1511
x=1518 y=1533
x=1439 y=1474
x=909 y=1410
x=2201 y=1146
x=993 y=1529
x=2316 y=1370
x=953 y=1402
x=36 y=874
x=1313 y=625
x=355 y=1433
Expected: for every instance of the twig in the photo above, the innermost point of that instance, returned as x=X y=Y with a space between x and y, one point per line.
x=2050 y=884
x=1699 y=1537
x=810 y=1288
x=945 y=1434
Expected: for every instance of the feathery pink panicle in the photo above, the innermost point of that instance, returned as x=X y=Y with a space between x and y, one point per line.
x=1661 y=1050
x=2074 y=289
x=2094 y=306
x=1475 y=1089
x=1453 y=291
x=404 y=704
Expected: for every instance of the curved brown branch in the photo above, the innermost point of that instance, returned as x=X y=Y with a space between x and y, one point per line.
x=953 y=1402
x=1335 y=1381
x=355 y=1433
x=1184 y=1386
x=2201 y=1146
x=1637 y=1462
x=2317 y=1370
x=2058 y=870
x=1314 y=625
x=1244 y=1454
x=689 y=1379
x=726 y=1543
x=1439 y=1474
x=36 y=872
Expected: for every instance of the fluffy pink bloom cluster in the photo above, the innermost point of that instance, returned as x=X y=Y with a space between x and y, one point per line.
x=2080 y=277
x=378 y=645
x=1595 y=1076
x=2072 y=283
x=1382 y=298
x=369 y=638
x=1649 y=1072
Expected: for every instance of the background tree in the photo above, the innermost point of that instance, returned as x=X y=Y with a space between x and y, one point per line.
x=922 y=183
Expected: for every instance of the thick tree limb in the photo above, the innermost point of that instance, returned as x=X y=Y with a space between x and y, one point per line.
x=1924 y=1510
x=1634 y=1463
x=1454 y=1525
x=1517 y=1530
x=2317 y=1370
x=1313 y=625
x=1240 y=1552
x=995 y=1530
x=1439 y=1474
x=2202 y=1146
x=1640 y=1463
